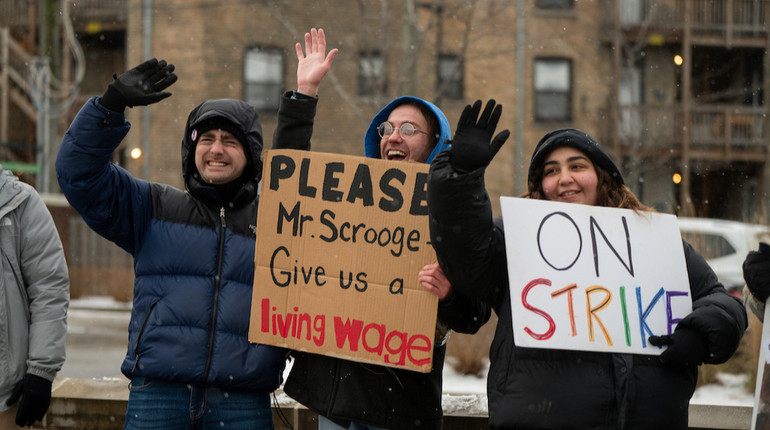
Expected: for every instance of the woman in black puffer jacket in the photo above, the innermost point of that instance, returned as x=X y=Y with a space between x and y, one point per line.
x=532 y=388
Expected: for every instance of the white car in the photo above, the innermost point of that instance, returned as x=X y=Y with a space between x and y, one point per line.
x=724 y=245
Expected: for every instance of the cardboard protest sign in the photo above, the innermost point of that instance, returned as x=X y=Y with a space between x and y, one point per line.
x=593 y=278
x=760 y=419
x=340 y=243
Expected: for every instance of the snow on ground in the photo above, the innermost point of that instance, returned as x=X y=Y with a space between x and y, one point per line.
x=729 y=391
x=468 y=393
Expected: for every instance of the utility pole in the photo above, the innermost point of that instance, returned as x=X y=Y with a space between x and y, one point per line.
x=45 y=63
x=408 y=79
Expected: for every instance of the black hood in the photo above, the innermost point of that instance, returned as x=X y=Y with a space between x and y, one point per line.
x=245 y=117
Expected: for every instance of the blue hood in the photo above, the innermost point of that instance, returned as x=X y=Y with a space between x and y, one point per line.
x=372 y=138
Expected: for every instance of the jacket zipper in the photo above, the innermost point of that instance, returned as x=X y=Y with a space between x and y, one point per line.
x=139 y=337
x=217 y=282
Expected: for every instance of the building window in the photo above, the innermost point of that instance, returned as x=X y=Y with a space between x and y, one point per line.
x=450 y=76
x=371 y=72
x=555 y=4
x=263 y=78
x=553 y=89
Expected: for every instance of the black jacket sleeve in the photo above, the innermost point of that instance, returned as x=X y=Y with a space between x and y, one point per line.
x=463 y=314
x=295 y=122
x=469 y=244
x=718 y=316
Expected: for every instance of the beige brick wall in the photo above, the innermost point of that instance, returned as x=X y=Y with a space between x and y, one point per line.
x=206 y=42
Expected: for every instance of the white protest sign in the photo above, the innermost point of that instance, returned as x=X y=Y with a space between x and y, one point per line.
x=760 y=419
x=593 y=278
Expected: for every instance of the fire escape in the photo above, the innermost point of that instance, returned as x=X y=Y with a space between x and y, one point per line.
x=702 y=113
x=42 y=69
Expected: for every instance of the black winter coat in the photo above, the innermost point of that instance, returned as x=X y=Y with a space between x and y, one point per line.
x=344 y=390
x=531 y=388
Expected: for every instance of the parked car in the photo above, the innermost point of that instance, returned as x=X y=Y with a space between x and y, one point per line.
x=724 y=244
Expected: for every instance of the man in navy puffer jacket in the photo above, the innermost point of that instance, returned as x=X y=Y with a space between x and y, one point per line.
x=189 y=358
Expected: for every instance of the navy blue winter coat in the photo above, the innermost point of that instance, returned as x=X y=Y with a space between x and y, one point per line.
x=193 y=254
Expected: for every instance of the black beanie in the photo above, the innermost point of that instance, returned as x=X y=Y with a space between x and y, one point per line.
x=218 y=122
x=576 y=139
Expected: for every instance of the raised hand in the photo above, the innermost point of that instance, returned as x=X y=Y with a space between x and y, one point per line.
x=473 y=146
x=141 y=86
x=434 y=280
x=313 y=63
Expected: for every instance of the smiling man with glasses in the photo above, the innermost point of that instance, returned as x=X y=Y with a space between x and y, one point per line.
x=403 y=136
x=348 y=394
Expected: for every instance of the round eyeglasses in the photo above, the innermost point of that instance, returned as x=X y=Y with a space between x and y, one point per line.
x=406 y=130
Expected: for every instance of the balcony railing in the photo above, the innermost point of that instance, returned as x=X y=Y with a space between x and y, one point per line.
x=15 y=13
x=733 y=17
x=713 y=127
x=100 y=10
x=22 y=13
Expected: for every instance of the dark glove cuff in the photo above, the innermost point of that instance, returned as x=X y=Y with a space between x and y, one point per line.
x=113 y=100
x=296 y=95
x=35 y=382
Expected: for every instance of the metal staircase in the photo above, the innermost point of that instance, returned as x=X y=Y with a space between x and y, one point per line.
x=32 y=94
x=16 y=107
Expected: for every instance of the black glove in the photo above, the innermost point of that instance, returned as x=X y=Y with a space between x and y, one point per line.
x=473 y=146
x=139 y=86
x=35 y=393
x=686 y=347
x=756 y=272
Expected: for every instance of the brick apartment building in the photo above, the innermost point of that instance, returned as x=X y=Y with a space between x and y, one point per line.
x=607 y=67
x=672 y=88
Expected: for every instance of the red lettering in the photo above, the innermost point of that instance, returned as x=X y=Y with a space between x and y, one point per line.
x=265 y=315
x=379 y=329
x=319 y=324
x=349 y=331
x=292 y=324
x=284 y=324
x=426 y=347
x=296 y=330
x=396 y=345
x=401 y=350
x=551 y=324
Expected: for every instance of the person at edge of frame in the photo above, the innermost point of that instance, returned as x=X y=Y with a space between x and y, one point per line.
x=34 y=302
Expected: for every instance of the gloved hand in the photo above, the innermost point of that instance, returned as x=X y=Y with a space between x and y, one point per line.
x=686 y=347
x=140 y=86
x=473 y=146
x=35 y=393
x=756 y=272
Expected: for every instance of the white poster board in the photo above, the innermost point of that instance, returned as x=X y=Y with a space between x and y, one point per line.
x=593 y=278
x=760 y=419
